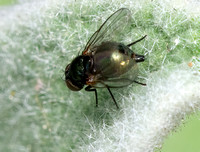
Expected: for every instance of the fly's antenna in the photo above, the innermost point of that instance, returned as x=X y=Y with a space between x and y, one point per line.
x=136 y=41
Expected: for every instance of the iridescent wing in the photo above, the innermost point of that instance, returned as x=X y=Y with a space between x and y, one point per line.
x=114 y=25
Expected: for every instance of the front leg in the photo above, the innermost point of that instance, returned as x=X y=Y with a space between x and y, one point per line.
x=89 y=88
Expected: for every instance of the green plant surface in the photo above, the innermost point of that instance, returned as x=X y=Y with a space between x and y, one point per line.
x=186 y=138
x=39 y=113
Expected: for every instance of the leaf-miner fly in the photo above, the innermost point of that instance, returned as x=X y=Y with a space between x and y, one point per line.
x=105 y=63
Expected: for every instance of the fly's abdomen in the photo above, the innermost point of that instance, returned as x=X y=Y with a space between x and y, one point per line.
x=113 y=63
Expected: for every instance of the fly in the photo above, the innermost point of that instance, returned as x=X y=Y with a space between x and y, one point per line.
x=105 y=62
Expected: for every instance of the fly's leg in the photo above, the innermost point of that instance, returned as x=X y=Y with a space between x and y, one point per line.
x=136 y=41
x=112 y=97
x=89 y=88
x=144 y=84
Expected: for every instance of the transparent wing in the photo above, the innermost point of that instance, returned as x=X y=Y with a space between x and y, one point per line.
x=108 y=31
x=122 y=81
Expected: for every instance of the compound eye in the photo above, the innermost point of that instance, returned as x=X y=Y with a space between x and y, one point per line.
x=71 y=86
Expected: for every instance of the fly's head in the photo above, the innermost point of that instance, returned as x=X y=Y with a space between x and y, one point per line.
x=75 y=73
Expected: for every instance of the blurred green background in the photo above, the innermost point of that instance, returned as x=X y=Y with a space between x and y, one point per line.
x=185 y=139
x=7 y=2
